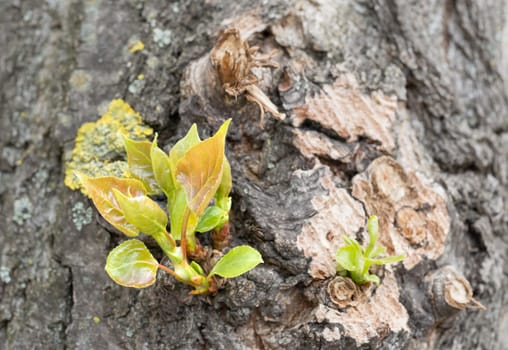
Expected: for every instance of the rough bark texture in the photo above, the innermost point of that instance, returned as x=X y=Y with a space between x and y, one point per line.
x=396 y=108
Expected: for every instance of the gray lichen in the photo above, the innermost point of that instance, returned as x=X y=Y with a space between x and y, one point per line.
x=137 y=86
x=81 y=215
x=162 y=37
x=22 y=210
x=5 y=275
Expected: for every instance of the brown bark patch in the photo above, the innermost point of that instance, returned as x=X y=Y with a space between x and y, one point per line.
x=343 y=108
x=311 y=143
x=338 y=214
x=370 y=318
x=412 y=211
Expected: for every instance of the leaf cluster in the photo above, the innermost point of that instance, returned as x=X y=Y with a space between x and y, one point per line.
x=355 y=261
x=195 y=177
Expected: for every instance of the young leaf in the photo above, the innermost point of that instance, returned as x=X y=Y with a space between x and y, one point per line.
x=387 y=260
x=100 y=191
x=181 y=147
x=200 y=170
x=177 y=210
x=226 y=183
x=347 y=258
x=140 y=163
x=236 y=262
x=143 y=213
x=211 y=218
x=224 y=203
x=197 y=268
x=161 y=169
x=378 y=250
x=373 y=230
x=131 y=265
x=371 y=278
x=353 y=243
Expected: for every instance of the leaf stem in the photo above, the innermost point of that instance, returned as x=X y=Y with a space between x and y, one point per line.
x=183 y=235
x=170 y=239
x=168 y=270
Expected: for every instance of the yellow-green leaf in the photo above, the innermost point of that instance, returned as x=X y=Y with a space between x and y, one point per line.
x=197 y=268
x=373 y=230
x=143 y=213
x=226 y=183
x=347 y=258
x=162 y=170
x=100 y=190
x=200 y=170
x=140 y=163
x=181 y=147
x=132 y=265
x=211 y=218
x=236 y=262
x=177 y=211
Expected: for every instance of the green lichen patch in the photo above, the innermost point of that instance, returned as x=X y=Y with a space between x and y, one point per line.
x=99 y=149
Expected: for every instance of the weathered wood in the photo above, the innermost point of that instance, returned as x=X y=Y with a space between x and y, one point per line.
x=393 y=108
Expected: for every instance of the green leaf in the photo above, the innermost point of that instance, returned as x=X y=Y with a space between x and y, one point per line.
x=373 y=229
x=387 y=260
x=131 y=265
x=200 y=170
x=378 y=250
x=140 y=163
x=224 y=203
x=180 y=148
x=162 y=170
x=143 y=213
x=354 y=243
x=197 y=268
x=100 y=190
x=371 y=278
x=226 y=183
x=211 y=218
x=347 y=258
x=236 y=262
x=177 y=211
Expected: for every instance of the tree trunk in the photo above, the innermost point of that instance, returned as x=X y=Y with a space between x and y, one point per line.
x=393 y=108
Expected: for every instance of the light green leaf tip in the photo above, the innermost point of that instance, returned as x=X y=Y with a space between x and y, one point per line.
x=236 y=262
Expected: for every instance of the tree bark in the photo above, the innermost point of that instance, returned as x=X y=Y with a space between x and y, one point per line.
x=393 y=108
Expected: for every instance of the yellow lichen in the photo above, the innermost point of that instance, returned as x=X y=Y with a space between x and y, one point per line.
x=136 y=46
x=99 y=149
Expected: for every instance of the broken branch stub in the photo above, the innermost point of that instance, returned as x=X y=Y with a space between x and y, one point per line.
x=225 y=74
x=234 y=60
x=450 y=292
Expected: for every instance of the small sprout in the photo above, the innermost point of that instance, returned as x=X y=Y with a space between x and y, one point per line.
x=195 y=177
x=355 y=261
